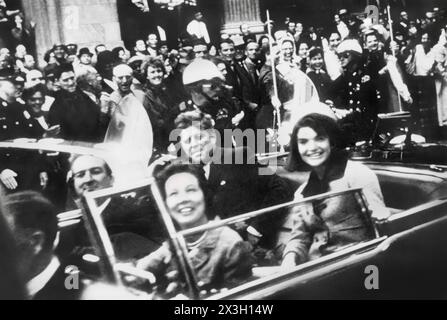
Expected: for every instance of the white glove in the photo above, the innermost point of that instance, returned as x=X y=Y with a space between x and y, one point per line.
x=275 y=102
x=8 y=179
x=289 y=261
x=238 y=118
x=43 y=180
x=442 y=38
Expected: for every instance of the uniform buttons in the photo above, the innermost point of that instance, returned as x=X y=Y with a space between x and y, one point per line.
x=5 y=127
x=351 y=101
x=4 y=104
x=17 y=123
x=30 y=125
x=350 y=84
x=358 y=102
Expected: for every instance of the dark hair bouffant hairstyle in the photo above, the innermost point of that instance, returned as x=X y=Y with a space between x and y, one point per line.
x=29 y=92
x=323 y=126
x=196 y=171
x=314 y=51
x=153 y=62
x=63 y=68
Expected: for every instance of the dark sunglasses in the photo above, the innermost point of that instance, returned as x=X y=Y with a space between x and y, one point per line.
x=344 y=55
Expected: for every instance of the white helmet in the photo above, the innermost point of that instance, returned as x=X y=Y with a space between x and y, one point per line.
x=199 y=70
x=349 y=45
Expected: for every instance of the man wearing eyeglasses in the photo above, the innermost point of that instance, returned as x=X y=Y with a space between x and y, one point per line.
x=124 y=80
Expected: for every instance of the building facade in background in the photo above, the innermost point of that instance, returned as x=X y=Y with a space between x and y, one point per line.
x=118 y=22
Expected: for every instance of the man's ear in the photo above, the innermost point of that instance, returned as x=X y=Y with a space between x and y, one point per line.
x=213 y=133
x=36 y=241
x=70 y=181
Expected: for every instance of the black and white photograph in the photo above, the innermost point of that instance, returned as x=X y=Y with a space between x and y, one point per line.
x=223 y=150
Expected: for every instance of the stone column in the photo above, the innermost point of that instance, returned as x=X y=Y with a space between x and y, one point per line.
x=84 y=22
x=237 y=12
x=47 y=16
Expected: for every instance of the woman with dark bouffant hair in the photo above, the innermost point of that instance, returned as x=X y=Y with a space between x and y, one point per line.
x=219 y=256
x=322 y=227
x=158 y=103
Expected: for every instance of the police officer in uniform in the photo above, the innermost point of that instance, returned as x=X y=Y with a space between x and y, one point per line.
x=16 y=173
x=355 y=92
x=209 y=94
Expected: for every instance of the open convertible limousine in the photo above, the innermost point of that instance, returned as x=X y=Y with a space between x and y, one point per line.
x=406 y=251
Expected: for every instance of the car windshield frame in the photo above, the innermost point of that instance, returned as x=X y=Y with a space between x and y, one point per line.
x=177 y=238
x=100 y=238
x=110 y=267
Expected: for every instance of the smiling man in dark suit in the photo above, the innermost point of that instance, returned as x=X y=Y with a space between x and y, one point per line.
x=79 y=117
x=237 y=187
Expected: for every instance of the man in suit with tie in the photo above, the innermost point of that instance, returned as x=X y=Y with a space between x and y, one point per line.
x=79 y=117
x=247 y=71
x=237 y=187
x=227 y=53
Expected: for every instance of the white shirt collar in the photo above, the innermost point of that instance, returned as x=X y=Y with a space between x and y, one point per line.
x=207 y=168
x=43 y=123
x=39 y=282
x=111 y=84
x=91 y=96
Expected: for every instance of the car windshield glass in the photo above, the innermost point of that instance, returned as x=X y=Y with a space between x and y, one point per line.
x=301 y=226
x=221 y=255
x=130 y=218
x=124 y=225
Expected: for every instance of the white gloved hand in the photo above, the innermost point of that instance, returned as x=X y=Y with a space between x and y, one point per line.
x=289 y=261
x=275 y=102
x=7 y=177
x=238 y=118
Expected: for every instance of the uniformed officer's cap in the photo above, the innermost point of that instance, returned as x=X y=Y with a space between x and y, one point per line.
x=19 y=78
x=72 y=49
x=7 y=75
x=350 y=45
x=60 y=46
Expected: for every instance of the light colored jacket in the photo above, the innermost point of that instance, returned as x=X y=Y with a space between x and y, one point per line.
x=329 y=224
